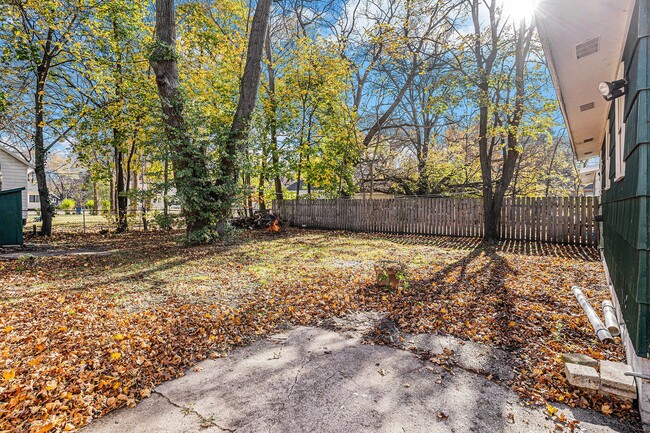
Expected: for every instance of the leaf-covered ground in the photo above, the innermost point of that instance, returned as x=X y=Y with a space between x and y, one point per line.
x=82 y=335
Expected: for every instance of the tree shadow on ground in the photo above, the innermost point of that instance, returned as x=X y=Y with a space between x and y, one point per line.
x=468 y=278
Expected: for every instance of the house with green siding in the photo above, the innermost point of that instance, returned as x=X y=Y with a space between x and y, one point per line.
x=598 y=53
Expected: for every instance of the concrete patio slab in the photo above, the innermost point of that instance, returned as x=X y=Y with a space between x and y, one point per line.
x=582 y=376
x=316 y=380
x=614 y=381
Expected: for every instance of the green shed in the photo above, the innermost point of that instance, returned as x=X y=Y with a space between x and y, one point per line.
x=11 y=217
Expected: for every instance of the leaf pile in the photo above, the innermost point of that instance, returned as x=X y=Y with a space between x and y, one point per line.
x=83 y=335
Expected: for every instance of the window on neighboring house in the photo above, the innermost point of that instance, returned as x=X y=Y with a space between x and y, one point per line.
x=619 y=130
x=33 y=198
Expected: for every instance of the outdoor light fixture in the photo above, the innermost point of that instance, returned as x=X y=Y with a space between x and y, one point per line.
x=613 y=90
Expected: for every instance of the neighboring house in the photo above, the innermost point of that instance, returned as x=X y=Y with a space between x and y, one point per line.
x=292 y=186
x=15 y=172
x=33 y=199
x=157 y=202
x=587 y=43
x=590 y=180
x=375 y=196
x=315 y=192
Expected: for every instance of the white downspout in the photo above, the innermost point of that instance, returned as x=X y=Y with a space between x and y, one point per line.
x=610 y=318
x=601 y=332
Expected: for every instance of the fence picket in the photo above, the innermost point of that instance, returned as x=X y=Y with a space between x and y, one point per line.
x=560 y=220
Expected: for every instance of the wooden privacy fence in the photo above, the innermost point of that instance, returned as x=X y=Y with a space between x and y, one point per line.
x=558 y=220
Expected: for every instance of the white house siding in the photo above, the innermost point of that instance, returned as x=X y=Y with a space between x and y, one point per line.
x=14 y=175
x=33 y=199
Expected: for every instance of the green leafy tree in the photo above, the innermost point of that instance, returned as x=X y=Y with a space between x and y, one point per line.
x=37 y=40
x=117 y=124
x=497 y=62
x=67 y=204
x=320 y=126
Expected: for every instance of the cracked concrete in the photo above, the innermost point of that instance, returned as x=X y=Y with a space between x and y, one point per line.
x=204 y=422
x=324 y=382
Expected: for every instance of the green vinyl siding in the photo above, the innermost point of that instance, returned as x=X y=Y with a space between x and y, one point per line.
x=626 y=204
x=612 y=148
x=11 y=217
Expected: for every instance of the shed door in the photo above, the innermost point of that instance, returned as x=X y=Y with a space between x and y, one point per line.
x=11 y=218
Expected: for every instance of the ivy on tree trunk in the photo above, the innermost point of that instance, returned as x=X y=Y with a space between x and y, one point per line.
x=193 y=182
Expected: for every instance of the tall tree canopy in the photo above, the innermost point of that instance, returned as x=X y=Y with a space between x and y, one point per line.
x=215 y=105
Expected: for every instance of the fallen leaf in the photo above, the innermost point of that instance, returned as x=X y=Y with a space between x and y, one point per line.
x=606 y=409
x=51 y=384
x=551 y=409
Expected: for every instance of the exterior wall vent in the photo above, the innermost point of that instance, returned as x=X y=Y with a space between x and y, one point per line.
x=588 y=48
x=587 y=107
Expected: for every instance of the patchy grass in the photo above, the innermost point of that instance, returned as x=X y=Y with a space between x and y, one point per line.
x=83 y=335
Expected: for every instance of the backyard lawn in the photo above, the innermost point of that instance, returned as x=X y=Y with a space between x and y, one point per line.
x=81 y=335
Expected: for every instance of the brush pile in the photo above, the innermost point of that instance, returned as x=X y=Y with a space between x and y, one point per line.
x=259 y=221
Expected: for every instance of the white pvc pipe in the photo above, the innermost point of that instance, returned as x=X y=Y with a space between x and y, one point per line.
x=610 y=318
x=601 y=332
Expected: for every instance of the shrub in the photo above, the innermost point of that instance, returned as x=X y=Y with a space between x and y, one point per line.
x=67 y=204
x=165 y=222
x=90 y=204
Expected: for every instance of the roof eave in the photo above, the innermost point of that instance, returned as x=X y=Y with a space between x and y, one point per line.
x=562 y=28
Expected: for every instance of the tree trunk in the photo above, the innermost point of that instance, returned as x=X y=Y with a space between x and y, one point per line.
x=490 y=217
x=423 y=170
x=424 y=140
x=166 y=190
x=250 y=83
x=279 y=195
x=277 y=183
x=111 y=194
x=260 y=185
x=121 y=185
x=95 y=199
x=248 y=203
x=132 y=176
x=192 y=178
x=522 y=48
x=40 y=152
x=120 y=188
x=493 y=198
x=47 y=209
x=308 y=156
x=133 y=205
